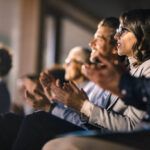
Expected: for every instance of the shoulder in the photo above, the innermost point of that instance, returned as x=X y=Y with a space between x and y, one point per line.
x=145 y=64
x=144 y=68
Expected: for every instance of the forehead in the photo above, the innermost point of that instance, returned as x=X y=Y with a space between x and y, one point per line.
x=103 y=31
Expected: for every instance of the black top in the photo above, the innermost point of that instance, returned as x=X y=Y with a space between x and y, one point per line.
x=4 y=98
x=136 y=92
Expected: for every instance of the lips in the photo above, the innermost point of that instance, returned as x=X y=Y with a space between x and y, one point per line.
x=118 y=44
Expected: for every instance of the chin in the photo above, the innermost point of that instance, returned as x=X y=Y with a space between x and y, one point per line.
x=66 y=78
x=92 y=59
x=119 y=53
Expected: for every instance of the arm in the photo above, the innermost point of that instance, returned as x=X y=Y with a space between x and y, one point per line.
x=67 y=114
x=137 y=91
x=121 y=117
x=125 y=119
x=113 y=77
x=58 y=108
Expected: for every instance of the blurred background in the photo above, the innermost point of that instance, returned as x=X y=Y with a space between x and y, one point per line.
x=41 y=32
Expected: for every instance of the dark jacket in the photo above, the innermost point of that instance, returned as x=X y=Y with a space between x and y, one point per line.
x=4 y=98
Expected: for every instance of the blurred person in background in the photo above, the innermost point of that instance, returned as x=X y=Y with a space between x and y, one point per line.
x=76 y=57
x=5 y=66
x=22 y=107
x=34 y=93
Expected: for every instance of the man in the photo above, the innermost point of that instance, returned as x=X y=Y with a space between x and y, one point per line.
x=46 y=126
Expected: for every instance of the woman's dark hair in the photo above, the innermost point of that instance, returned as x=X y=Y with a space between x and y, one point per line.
x=5 y=60
x=138 y=22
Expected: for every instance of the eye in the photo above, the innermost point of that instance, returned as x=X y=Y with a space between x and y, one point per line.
x=121 y=30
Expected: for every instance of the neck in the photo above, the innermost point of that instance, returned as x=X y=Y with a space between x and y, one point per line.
x=132 y=61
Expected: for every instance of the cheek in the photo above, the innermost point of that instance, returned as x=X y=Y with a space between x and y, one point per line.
x=126 y=48
x=128 y=44
x=67 y=70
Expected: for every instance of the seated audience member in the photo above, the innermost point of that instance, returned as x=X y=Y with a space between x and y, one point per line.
x=5 y=66
x=111 y=24
x=34 y=92
x=114 y=120
x=119 y=116
x=75 y=59
x=110 y=77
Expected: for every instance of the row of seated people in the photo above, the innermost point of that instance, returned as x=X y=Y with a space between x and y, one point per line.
x=80 y=105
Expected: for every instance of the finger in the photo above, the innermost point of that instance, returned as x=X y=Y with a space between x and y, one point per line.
x=58 y=83
x=50 y=75
x=93 y=66
x=44 y=79
x=39 y=94
x=74 y=87
x=84 y=93
x=67 y=87
x=59 y=94
x=47 y=92
x=87 y=69
x=29 y=84
x=29 y=96
x=88 y=72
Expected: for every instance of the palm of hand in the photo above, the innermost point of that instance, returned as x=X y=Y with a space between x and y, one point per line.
x=69 y=95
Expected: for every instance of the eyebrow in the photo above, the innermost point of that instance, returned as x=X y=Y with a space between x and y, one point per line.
x=102 y=37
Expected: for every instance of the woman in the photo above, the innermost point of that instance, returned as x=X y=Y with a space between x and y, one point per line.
x=133 y=36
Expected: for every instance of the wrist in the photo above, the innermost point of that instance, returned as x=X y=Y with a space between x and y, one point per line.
x=47 y=108
x=87 y=108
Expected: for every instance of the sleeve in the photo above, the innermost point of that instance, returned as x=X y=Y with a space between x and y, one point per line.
x=67 y=114
x=116 y=121
x=136 y=92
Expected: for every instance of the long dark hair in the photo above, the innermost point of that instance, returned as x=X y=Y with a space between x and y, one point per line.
x=138 y=22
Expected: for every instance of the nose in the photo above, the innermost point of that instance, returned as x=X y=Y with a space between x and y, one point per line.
x=92 y=43
x=117 y=36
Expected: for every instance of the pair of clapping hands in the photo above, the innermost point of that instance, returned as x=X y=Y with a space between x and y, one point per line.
x=107 y=75
x=40 y=94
